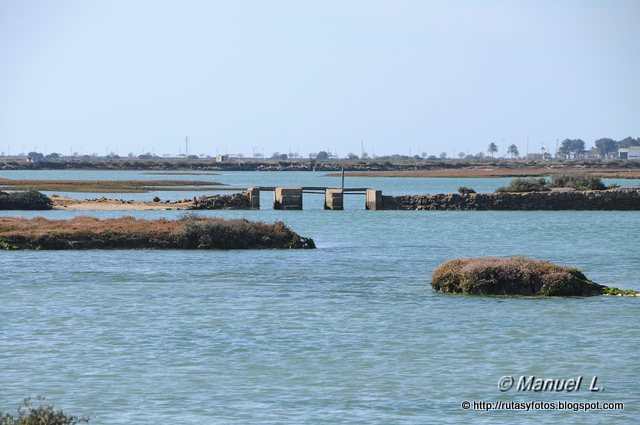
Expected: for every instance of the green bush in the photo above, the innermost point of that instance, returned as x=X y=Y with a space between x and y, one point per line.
x=526 y=185
x=25 y=200
x=578 y=181
x=464 y=190
x=43 y=414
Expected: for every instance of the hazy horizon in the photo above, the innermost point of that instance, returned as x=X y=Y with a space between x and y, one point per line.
x=402 y=77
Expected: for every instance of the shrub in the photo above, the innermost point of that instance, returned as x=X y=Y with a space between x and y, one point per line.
x=190 y=232
x=43 y=414
x=526 y=185
x=26 y=200
x=464 y=190
x=578 y=181
x=515 y=276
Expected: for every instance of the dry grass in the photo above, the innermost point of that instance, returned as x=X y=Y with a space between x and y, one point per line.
x=179 y=173
x=192 y=232
x=511 y=276
x=107 y=186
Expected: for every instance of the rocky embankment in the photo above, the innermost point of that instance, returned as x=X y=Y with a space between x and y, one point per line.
x=233 y=201
x=613 y=199
x=515 y=276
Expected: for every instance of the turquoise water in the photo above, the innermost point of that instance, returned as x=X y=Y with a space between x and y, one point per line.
x=348 y=333
x=239 y=179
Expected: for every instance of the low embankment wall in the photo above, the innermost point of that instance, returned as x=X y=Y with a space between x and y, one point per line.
x=618 y=199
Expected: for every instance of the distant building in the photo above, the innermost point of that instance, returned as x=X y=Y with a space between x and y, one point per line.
x=34 y=158
x=590 y=154
x=632 y=152
x=222 y=158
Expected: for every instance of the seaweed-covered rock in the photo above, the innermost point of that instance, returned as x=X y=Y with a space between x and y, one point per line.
x=513 y=276
x=233 y=201
x=25 y=200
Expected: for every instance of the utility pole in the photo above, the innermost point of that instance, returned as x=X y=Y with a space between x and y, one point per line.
x=186 y=146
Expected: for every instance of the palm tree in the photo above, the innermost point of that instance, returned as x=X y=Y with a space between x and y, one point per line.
x=513 y=151
x=493 y=148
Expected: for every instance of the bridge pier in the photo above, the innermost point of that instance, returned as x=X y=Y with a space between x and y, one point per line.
x=374 y=199
x=254 y=198
x=333 y=199
x=287 y=198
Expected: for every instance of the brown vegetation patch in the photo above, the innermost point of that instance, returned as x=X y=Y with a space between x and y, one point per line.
x=107 y=186
x=191 y=232
x=180 y=173
x=512 y=276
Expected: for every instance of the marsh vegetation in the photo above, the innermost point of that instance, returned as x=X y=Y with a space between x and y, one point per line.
x=515 y=276
x=190 y=232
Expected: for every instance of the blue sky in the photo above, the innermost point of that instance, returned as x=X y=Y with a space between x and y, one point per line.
x=242 y=76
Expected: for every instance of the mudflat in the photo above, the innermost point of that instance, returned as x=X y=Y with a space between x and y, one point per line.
x=107 y=186
x=106 y=204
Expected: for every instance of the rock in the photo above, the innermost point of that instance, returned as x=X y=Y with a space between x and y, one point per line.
x=233 y=201
x=514 y=276
x=156 y=199
x=613 y=199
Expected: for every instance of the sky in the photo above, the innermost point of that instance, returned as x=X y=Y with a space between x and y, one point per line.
x=239 y=76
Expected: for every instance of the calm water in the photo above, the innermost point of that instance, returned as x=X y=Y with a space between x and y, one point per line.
x=348 y=333
x=389 y=186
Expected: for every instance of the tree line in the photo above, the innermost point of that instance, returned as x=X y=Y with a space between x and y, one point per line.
x=571 y=148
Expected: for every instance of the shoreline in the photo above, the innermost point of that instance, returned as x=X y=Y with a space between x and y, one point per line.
x=109 y=186
x=106 y=204
x=617 y=168
x=606 y=173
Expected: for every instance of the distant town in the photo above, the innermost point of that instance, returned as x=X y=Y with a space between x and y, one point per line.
x=568 y=149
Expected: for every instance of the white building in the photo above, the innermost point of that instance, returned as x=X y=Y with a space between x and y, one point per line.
x=632 y=152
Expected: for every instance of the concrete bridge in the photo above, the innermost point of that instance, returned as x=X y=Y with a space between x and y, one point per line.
x=290 y=198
